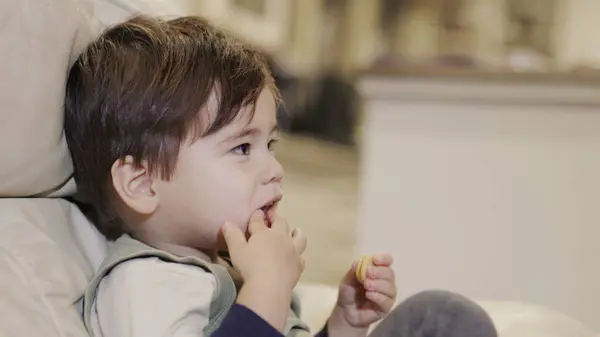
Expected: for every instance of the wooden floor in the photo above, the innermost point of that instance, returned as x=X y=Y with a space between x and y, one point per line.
x=321 y=199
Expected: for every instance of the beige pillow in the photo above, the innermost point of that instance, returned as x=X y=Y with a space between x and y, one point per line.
x=48 y=252
x=39 y=40
x=517 y=319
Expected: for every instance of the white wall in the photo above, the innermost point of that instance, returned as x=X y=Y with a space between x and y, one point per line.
x=491 y=190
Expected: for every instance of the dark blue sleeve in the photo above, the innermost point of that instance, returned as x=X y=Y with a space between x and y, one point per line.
x=243 y=322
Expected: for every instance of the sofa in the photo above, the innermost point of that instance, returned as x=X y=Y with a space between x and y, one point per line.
x=48 y=249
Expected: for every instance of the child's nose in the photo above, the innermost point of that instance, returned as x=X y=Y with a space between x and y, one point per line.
x=274 y=172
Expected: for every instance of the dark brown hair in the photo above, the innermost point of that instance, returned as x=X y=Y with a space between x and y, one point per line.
x=141 y=90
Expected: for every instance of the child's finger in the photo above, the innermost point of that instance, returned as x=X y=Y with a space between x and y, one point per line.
x=234 y=238
x=381 y=301
x=299 y=241
x=383 y=260
x=280 y=224
x=257 y=222
x=381 y=286
x=385 y=273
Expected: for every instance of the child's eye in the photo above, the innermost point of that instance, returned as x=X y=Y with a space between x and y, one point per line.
x=272 y=144
x=242 y=150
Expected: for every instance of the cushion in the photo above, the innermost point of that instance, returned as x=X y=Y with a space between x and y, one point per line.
x=48 y=251
x=316 y=303
x=517 y=319
x=39 y=40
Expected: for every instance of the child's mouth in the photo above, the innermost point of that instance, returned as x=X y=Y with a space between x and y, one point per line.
x=268 y=219
x=268 y=210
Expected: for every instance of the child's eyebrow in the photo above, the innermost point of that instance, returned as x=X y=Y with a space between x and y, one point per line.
x=253 y=132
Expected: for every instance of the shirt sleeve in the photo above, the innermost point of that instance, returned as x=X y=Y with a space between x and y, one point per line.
x=243 y=322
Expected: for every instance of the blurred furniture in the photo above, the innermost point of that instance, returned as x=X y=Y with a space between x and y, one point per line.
x=264 y=23
x=330 y=111
x=487 y=184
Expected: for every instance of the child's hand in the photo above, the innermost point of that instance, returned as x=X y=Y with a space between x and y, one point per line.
x=359 y=305
x=270 y=262
x=269 y=255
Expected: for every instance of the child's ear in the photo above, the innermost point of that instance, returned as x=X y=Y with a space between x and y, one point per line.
x=133 y=184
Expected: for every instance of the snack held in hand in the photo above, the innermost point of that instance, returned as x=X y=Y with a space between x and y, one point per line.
x=362 y=266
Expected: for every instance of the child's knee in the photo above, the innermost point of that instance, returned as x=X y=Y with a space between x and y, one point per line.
x=441 y=298
x=436 y=313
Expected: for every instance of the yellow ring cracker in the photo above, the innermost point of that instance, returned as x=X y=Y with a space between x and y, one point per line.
x=362 y=267
x=358 y=266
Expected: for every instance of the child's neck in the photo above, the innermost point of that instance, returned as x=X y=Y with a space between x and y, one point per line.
x=209 y=255
x=206 y=255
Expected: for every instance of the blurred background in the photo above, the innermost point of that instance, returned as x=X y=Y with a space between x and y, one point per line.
x=462 y=136
x=319 y=49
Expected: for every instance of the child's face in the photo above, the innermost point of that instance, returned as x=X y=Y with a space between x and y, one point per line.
x=223 y=177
